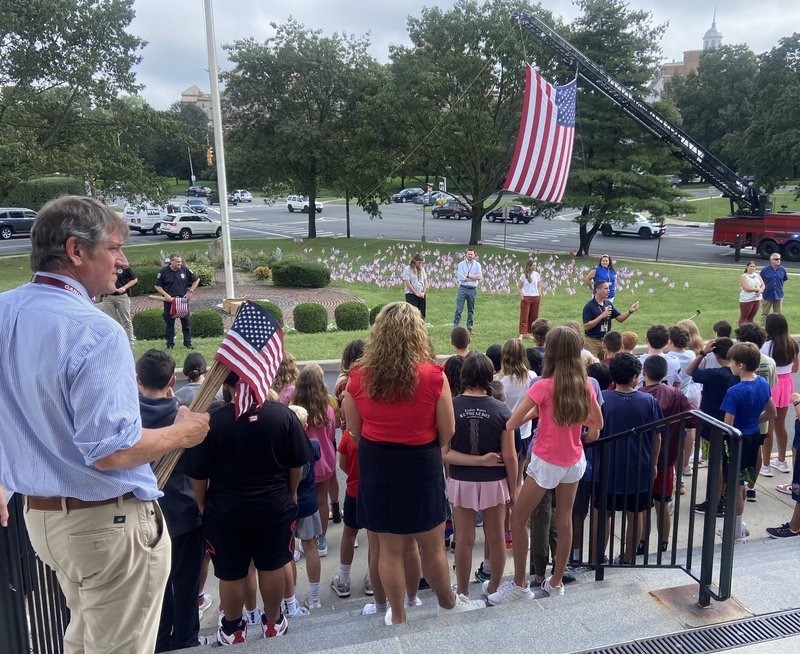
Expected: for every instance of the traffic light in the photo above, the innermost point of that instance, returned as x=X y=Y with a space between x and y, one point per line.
x=209 y=156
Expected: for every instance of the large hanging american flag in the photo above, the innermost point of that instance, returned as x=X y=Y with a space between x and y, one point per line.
x=253 y=349
x=544 y=144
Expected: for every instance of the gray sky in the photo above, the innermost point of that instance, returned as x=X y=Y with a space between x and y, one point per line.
x=176 y=58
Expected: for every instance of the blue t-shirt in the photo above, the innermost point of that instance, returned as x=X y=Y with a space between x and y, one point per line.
x=630 y=465
x=745 y=401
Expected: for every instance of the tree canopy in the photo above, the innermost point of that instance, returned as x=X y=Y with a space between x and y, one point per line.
x=65 y=65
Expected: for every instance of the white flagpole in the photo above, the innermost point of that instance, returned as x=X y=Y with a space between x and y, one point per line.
x=216 y=114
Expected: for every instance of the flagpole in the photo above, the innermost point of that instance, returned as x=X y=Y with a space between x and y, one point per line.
x=216 y=115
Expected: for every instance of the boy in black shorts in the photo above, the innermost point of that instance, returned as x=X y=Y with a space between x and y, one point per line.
x=245 y=476
x=792 y=528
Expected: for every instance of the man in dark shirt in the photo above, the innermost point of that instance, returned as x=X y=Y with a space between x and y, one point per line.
x=597 y=315
x=176 y=280
x=118 y=304
x=774 y=275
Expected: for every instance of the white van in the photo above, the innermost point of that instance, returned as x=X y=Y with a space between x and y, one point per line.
x=149 y=218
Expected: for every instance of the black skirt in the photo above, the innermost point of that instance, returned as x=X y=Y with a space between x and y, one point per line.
x=401 y=488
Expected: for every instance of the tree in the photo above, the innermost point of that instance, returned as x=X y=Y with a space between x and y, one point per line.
x=617 y=167
x=187 y=137
x=460 y=89
x=286 y=99
x=769 y=147
x=65 y=62
x=717 y=99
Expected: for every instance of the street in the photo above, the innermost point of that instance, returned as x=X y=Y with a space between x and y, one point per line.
x=405 y=221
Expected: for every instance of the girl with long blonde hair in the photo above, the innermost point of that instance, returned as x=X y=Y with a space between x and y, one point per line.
x=564 y=402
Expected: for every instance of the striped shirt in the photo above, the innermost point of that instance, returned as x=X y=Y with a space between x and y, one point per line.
x=68 y=397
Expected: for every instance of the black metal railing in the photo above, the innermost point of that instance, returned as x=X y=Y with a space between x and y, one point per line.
x=33 y=613
x=623 y=496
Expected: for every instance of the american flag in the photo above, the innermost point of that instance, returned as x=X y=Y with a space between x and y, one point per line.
x=544 y=144
x=253 y=349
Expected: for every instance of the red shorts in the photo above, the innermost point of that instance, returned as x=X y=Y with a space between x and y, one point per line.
x=663 y=488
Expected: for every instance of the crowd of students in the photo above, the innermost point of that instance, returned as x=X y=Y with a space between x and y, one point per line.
x=500 y=435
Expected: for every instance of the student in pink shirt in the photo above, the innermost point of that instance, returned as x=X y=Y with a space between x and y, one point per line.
x=564 y=402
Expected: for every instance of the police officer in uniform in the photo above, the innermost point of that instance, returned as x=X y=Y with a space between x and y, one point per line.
x=176 y=280
x=118 y=304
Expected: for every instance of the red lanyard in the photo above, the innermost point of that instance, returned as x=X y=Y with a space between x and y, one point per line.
x=50 y=281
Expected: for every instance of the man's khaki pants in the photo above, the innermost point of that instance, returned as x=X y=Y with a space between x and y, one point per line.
x=119 y=308
x=112 y=563
x=595 y=346
x=767 y=305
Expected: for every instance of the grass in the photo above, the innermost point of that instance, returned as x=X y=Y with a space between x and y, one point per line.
x=710 y=208
x=667 y=292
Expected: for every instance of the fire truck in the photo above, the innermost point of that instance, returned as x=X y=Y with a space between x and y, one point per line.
x=752 y=222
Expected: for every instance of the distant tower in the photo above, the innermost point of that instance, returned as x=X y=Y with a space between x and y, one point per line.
x=713 y=37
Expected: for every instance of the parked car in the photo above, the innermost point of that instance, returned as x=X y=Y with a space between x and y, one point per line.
x=300 y=203
x=452 y=209
x=147 y=218
x=516 y=214
x=242 y=195
x=432 y=198
x=186 y=225
x=407 y=195
x=640 y=226
x=15 y=221
x=198 y=191
x=197 y=205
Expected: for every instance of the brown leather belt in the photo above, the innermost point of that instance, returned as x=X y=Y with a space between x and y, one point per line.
x=72 y=503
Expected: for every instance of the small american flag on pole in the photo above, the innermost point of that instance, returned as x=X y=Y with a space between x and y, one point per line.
x=544 y=144
x=253 y=349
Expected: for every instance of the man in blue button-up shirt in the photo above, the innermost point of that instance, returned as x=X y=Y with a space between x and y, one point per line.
x=72 y=441
x=774 y=275
x=468 y=274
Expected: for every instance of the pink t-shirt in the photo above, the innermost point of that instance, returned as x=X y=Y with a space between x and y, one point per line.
x=555 y=444
x=325 y=468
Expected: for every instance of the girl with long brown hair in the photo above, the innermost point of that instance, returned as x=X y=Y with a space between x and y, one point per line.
x=564 y=402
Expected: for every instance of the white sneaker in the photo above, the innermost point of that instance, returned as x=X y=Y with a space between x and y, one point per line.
x=780 y=466
x=205 y=603
x=411 y=603
x=687 y=470
x=766 y=471
x=297 y=555
x=553 y=591
x=253 y=617
x=372 y=609
x=298 y=611
x=510 y=592
x=463 y=603
x=312 y=602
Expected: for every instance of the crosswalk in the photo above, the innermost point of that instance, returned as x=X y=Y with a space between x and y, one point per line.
x=566 y=234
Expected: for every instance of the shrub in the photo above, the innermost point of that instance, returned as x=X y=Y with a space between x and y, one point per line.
x=148 y=324
x=300 y=273
x=206 y=323
x=263 y=273
x=310 y=318
x=373 y=313
x=351 y=316
x=205 y=272
x=147 y=279
x=35 y=192
x=273 y=309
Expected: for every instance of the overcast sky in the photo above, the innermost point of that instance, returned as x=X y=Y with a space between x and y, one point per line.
x=175 y=57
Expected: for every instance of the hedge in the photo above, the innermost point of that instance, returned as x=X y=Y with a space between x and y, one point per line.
x=310 y=318
x=300 y=274
x=351 y=316
x=206 y=323
x=147 y=280
x=35 y=192
x=273 y=309
x=148 y=324
x=374 y=311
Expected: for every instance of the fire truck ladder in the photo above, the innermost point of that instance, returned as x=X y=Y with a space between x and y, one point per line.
x=684 y=146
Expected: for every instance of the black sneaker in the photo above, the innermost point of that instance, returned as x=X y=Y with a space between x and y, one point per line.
x=702 y=507
x=336 y=513
x=423 y=584
x=721 y=507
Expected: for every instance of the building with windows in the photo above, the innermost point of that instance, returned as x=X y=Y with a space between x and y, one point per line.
x=193 y=95
x=691 y=60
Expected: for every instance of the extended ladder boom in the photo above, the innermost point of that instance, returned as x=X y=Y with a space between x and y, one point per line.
x=710 y=168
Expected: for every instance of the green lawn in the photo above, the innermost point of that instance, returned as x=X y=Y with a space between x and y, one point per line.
x=667 y=292
x=713 y=207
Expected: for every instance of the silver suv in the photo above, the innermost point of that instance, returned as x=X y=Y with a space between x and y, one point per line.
x=15 y=221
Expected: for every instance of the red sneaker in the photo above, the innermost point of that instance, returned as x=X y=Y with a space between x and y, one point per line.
x=274 y=629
